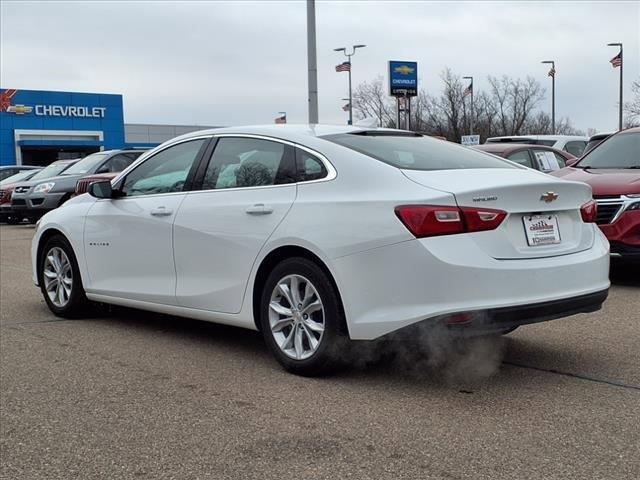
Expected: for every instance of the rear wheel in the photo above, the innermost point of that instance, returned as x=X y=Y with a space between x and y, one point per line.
x=59 y=279
x=302 y=319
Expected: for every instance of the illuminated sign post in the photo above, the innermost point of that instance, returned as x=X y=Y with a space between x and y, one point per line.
x=403 y=84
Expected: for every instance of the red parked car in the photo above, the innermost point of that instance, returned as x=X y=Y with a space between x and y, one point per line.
x=82 y=185
x=6 y=190
x=613 y=171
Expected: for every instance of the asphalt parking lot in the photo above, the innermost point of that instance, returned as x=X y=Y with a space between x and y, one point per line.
x=130 y=394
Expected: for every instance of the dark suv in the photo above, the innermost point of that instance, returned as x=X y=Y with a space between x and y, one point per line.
x=35 y=198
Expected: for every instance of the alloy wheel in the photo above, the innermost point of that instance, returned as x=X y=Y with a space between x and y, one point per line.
x=58 y=277
x=296 y=317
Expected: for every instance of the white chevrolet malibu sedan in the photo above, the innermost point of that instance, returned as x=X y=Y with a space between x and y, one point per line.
x=317 y=235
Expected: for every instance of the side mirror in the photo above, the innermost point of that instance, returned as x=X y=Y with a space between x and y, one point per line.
x=101 y=189
x=572 y=162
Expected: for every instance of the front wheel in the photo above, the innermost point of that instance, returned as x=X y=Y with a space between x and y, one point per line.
x=59 y=279
x=302 y=320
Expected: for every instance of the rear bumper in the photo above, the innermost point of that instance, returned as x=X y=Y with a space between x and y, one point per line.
x=424 y=281
x=498 y=320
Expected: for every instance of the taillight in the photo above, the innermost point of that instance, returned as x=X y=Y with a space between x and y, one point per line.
x=478 y=219
x=589 y=211
x=434 y=220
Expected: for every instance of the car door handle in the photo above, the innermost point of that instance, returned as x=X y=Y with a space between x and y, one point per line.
x=161 y=212
x=259 y=209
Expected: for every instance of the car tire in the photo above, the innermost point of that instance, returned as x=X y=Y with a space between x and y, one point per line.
x=59 y=279
x=308 y=338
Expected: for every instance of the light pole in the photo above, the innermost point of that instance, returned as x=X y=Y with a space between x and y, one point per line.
x=620 y=106
x=349 y=55
x=552 y=74
x=470 y=90
x=312 y=63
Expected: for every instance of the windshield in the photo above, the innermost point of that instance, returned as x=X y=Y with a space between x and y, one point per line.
x=416 y=152
x=618 y=151
x=52 y=170
x=86 y=165
x=19 y=177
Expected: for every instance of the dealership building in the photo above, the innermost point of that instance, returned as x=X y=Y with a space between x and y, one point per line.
x=38 y=127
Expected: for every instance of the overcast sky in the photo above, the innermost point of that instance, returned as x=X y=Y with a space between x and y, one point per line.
x=227 y=63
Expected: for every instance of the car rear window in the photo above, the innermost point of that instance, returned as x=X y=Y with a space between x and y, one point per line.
x=416 y=152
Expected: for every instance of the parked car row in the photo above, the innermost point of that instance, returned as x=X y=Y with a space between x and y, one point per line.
x=612 y=169
x=573 y=144
x=54 y=185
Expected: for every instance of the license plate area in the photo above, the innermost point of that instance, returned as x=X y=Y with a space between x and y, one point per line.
x=541 y=230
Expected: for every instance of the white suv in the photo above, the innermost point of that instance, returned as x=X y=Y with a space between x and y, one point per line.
x=573 y=144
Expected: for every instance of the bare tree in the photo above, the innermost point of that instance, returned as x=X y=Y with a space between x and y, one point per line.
x=515 y=101
x=509 y=107
x=632 y=108
x=371 y=100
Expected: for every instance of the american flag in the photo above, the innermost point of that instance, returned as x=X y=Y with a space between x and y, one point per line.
x=552 y=72
x=616 y=61
x=5 y=99
x=468 y=90
x=282 y=119
x=343 y=67
x=346 y=107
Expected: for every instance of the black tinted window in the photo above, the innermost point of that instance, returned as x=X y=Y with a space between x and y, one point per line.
x=309 y=166
x=165 y=172
x=416 y=152
x=619 y=151
x=522 y=157
x=117 y=163
x=575 y=148
x=248 y=162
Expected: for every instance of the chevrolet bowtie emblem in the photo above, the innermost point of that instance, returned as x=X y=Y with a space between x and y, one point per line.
x=548 y=197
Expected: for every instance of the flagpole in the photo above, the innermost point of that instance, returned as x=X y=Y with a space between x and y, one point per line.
x=471 y=127
x=350 y=99
x=312 y=74
x=553 y=94
x=553 y=99
x=349 y=55
x=620 y=99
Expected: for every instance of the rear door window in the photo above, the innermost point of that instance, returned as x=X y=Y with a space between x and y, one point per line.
x=523 y=157
x=239 y=162
x=309 y=166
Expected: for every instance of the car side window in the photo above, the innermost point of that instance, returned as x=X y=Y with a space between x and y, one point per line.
x=249 y=162
x=309 y=166
x=117 y=163
x=522 y=157
x=165 y=172
x=561 y=160
x=575 y=147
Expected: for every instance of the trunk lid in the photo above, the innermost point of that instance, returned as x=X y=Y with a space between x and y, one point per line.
x=522 y=194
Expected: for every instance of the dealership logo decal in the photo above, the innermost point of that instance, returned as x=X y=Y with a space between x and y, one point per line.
x=404 y=70
x=48 y=110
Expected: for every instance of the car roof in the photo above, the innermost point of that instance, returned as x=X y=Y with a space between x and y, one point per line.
x=540 y=137
x=600 y=136
x=509 y=147
x=290 y=131
x=22 y=167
